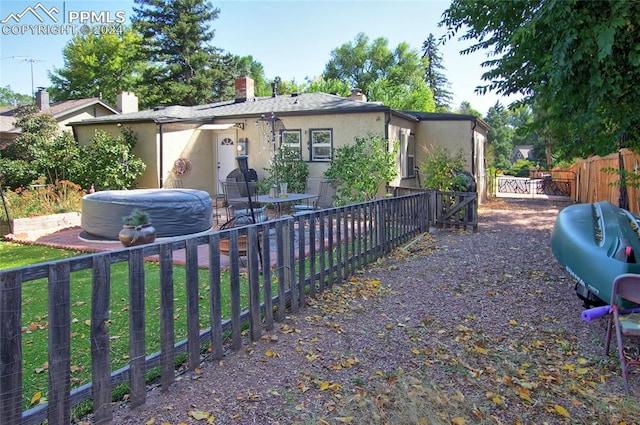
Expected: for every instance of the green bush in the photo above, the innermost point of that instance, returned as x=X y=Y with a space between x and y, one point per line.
x=361 y=169
x=41 y=151
x=444 y=172
x=288 y=167
x=520 y=168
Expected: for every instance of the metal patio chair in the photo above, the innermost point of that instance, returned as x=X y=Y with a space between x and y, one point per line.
x=625 y=293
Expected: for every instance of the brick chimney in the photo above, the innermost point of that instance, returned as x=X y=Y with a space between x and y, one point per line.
x=356 y=94
x=127 y=102
x=42 y=99
x=244 y=89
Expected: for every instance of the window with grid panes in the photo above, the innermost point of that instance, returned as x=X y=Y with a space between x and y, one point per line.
x=321 y=144
x=292 y=139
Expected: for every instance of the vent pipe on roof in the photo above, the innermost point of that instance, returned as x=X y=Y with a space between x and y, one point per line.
x=274 y=86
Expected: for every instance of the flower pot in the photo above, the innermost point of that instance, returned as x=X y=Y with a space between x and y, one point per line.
x=242 y=245
x=137 y=235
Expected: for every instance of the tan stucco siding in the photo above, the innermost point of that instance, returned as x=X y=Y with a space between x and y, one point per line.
x=455 y=136
x=344 y=128
x=88 y=112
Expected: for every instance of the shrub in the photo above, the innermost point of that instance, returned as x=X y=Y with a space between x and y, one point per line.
x=44 y=199
x=444 y=172
x=362 y=168
x=288 y=167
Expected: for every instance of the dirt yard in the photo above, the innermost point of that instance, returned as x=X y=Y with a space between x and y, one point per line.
x=458 y=327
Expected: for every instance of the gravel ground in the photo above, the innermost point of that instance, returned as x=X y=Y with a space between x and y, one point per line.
x=456 y=327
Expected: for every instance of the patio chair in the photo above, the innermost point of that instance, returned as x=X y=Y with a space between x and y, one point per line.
x=626 y=289
x=239 y=210
x=325 y=199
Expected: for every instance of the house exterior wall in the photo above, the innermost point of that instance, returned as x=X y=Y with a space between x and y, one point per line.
x=455 y=136
x=199 y=146
x=345 y=128
x=396 y=128
x=92 y=111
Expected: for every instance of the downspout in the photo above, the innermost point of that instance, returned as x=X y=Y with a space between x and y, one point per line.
x=473 y=148
x=161 y=154
x=387 y=120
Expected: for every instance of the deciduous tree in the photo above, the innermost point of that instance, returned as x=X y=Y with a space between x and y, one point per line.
x=10 y=98
x=98 y=66
x=578 y=61
x=362 y=167
x=392 y=77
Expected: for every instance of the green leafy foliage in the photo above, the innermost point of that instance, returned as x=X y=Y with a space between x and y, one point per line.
x=288 y=167
x=520 y=168
x=136 y=218
x=576 y=62
x=177 y=42
x=442 y=171
x=392 y=77
x=10 y=98
x=108 y=162
x=40 y=151
x=43 y=152
x=434 y=76
x=98 y=66
x=360 y=169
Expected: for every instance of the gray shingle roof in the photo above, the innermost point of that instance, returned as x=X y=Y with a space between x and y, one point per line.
x=305 y=103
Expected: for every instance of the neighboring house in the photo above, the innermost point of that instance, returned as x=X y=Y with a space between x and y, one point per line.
x=522 y=152
x=63 y=112
x=197 y=145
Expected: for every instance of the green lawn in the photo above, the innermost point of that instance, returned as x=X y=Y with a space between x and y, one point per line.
x=35 y=315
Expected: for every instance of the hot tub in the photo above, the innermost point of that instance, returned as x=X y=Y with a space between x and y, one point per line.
x=173 y=212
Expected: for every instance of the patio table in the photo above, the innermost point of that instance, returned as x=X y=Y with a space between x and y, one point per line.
x=278 y=203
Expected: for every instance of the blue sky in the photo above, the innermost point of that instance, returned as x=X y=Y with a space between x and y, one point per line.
x=292 y=39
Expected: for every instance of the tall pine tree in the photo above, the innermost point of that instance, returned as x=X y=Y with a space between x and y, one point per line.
x=433 y=76
x=184 y=67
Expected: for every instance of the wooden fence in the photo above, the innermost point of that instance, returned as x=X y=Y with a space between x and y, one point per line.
x=286 y=260
x=447 y=209
x=594 y=183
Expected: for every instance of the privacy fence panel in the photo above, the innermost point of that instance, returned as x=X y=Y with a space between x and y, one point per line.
x=188 y=311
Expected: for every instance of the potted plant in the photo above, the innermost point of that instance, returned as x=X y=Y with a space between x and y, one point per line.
x=136 y=229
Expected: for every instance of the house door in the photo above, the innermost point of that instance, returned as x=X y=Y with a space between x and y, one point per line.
x=226 y=152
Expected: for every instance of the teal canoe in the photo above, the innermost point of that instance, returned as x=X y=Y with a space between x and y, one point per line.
x=596 y=243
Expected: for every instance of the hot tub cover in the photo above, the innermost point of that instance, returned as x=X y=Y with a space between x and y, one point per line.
x=173 y=212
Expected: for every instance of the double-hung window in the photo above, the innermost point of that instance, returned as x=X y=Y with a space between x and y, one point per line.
x=321 y=144
x=292 y=139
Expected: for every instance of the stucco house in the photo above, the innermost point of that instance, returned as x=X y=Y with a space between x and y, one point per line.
x=197 y=145
x=63 y=112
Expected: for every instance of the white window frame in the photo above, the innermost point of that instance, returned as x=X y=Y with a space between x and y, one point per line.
x=315 y=145
x=292 y=139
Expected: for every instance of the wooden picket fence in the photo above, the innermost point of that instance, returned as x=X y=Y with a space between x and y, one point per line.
x=287 y=260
